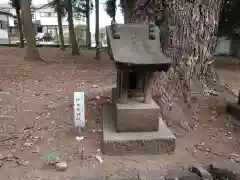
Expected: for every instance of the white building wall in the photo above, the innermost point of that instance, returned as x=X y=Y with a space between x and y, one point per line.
x=52 y=21
x=46 y=20
x=11 y=21
x=3 y=32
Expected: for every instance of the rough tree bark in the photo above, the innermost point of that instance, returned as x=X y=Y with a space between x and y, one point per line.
x=72 y=34
x=31 y=49
x=190 y=40
x=60 y=29
x=20 y=29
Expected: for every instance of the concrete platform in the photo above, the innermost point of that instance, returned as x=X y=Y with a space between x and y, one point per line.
x=234 y=110
x=117 y=144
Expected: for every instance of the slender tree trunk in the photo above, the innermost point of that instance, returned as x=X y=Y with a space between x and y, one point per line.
x=97 y=34
x=72 y=34
x=60 y=29
x=20 y=29
x=8 y=31
x=29 y=31
x=88 y=33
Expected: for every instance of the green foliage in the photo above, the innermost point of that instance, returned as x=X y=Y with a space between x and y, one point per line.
x=229 y=18
x=79 y=7
x=54 y=156
x=111 y=8
x=15 y=4
x=62 y=7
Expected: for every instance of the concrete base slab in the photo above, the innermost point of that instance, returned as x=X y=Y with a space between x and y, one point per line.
x=234 y=110
x=114 y=143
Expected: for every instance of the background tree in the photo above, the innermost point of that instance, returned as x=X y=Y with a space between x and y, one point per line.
x=81 y=9
x=29 y=31
x=72 y=34
x=60 y=10
x=97 y=34
x=17 y=6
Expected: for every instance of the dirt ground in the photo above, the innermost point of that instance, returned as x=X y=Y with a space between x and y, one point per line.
x=37 y=119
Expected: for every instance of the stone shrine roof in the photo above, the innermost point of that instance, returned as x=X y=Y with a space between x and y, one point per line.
x=135 y=47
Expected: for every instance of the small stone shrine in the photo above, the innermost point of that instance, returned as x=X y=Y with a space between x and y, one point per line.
x=234 y=108
x=131 y=123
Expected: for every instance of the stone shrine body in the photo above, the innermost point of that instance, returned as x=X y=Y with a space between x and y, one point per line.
x=131 y=123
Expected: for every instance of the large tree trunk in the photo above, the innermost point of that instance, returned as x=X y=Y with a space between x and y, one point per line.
x=31 y=50
x=72 y=34
x=97 y=34
x=190 y=39
x=60 y=29
x=20 y=29
x=88 y=33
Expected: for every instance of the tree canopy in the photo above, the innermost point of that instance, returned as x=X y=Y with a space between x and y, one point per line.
x=79 y=7
x=15 y=4
x=228 y=20
x=110 y=8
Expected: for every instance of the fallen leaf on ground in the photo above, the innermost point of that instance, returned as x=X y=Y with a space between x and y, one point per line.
x=99 y=158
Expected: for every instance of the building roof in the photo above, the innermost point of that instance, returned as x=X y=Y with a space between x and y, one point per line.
x=43 y=6
x=6 y=13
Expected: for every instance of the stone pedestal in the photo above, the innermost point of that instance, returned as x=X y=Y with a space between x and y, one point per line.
x=124 y=143
x=234 y=108
x=137 y=117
